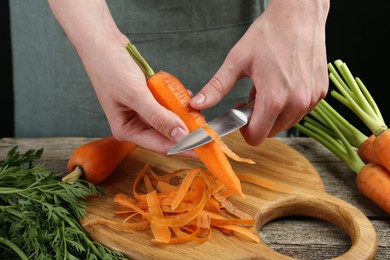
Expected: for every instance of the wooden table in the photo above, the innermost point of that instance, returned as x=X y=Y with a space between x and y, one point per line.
x=302 y=238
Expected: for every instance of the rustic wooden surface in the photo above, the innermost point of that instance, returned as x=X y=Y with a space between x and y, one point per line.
x=298 y=237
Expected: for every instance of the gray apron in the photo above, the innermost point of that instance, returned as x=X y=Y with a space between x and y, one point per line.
x=53 y=95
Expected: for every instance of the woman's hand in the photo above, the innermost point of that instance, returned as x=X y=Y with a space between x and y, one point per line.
x=284 y=54
x=132 y=111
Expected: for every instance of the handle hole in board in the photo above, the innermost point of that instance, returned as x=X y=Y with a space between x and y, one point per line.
x=303 y=238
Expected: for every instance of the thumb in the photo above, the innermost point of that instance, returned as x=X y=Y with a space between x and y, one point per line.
x=164 y=121
x=218 y=86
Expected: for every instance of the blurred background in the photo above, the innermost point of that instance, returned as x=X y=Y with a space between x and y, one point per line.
x=357 y=33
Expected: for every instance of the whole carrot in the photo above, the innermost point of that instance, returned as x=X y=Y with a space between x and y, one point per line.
x=373 y=181
x=354 y=95
x=96 y=160
x=366 y=150
x=171 y=93
x=382 y=148
x=364 y=144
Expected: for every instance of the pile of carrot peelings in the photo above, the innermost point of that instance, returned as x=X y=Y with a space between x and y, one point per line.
x=184 y=205
x=180 y=207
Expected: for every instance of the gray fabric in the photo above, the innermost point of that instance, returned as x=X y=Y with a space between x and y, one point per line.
x=53 y=94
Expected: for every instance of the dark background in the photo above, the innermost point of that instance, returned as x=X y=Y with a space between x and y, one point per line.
x=357 y=33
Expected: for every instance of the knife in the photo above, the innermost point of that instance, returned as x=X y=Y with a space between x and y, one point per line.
x=223 y=125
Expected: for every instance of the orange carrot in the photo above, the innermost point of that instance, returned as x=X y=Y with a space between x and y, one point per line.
x=354 y=95
x=382 y=148
x=366 y=151
x=96 y=160
x=172 y=94
x=373 y=181
x=355 y=137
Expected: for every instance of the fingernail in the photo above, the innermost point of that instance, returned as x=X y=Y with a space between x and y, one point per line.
x=199 y=99
x=178 y=133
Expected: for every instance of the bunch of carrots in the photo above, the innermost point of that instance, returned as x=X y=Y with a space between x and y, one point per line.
x=367 y=156
x=181 y=206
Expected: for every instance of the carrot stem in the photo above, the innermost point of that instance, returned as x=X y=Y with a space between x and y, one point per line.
x=340 y=146
x=76 y=174
x=353 y=94
x=137 y=57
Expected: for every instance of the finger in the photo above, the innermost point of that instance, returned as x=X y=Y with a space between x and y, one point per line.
x=149 y=138
x=218 y=86
x=291 y=114
x=261 y=122
x=164 y=121
x=142 y=111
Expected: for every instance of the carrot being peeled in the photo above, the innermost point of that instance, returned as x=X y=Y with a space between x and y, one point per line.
x=96 y=160
x=172 y=94
x=216 y=138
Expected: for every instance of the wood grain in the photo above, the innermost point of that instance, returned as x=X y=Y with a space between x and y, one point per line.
x=305 y=195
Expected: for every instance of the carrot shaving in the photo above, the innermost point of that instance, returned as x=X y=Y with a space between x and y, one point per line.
x=182 y=219
x=163 y=186
x=161 y=233
x=231 y=208
x=182 y=206
x=195 y=236
x=248 y=233
x=185 y=185
x=148 y=184
x=139 y=177
x=247 y=177
x=216 y=138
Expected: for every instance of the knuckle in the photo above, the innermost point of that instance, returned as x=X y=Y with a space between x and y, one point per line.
x=117 y=133
x=216 y=86
x=159 y=122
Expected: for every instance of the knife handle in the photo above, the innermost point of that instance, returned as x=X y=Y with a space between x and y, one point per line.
x=248 y=109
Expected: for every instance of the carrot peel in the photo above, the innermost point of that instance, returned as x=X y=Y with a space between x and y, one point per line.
x=196 y=211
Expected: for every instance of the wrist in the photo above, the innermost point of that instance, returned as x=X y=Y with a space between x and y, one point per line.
x=88 y=24
x=316 y=10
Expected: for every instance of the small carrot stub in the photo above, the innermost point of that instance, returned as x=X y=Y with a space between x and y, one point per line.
x=186 y=213
x=97 y=159
x=171 y=94
x=373 y=181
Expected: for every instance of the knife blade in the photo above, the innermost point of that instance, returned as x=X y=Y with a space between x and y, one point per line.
x=223 y=125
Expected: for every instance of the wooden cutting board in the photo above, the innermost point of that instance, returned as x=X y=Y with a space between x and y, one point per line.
x=277 y=162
